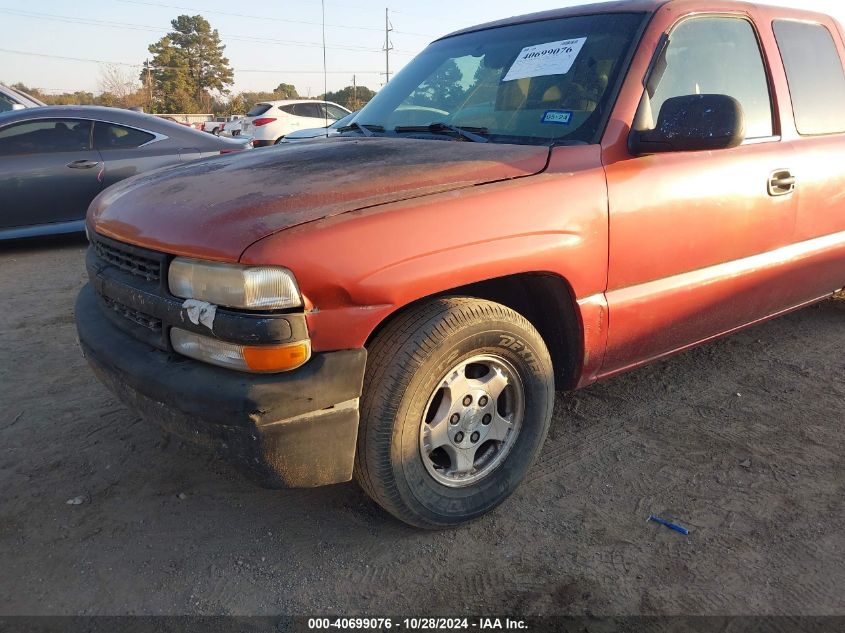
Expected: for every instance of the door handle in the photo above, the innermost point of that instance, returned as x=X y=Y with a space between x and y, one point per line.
x=83 y=164
x=781 y=182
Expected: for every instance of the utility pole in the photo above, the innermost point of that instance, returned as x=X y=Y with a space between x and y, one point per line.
x=388 y=45
x=150 y=86
x=354 y=92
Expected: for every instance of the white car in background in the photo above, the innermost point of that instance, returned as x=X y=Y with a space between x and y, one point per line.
x=13 y=99
x=270 y=121
x=319 y=132
x=218 y=124
x=232 y=127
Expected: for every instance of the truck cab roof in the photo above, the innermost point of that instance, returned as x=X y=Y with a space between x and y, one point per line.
x=641 y=6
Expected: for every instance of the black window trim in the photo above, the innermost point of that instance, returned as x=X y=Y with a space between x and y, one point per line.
x=666 y=40
x=783 y=64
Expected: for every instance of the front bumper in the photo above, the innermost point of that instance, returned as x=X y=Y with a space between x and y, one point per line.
x=290 y=430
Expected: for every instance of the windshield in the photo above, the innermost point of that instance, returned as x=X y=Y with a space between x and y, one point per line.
x=537 y=83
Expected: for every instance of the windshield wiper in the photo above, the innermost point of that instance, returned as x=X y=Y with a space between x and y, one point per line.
x=468 y=133
x=365 y=129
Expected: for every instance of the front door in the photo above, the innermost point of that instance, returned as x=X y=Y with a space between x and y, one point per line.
x=48 y=172
x=691 y=232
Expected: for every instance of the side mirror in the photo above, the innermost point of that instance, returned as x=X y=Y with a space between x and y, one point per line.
x=693 y=123
x=18 y=106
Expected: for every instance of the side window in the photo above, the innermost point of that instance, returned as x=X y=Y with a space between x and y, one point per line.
x=312 y=110
x=46 y=136
x=112 y=136
x=335 y=112
x=716 y=56
x=289 y=109
x=815 y=76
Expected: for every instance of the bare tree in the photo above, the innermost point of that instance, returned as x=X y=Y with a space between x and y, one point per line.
x=118 y=81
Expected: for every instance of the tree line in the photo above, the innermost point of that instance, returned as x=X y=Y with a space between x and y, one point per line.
x=188 y=73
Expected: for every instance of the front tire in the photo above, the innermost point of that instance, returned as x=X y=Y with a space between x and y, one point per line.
x=457 y=402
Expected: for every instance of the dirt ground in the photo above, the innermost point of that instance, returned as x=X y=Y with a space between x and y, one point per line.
x=742 y=441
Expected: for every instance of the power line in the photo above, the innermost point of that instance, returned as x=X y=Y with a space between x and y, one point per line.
x=239 y=70
x=265 y=18
x=150 y=28
x=358 y=7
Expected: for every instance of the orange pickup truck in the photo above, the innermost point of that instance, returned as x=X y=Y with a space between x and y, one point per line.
x=529 y=205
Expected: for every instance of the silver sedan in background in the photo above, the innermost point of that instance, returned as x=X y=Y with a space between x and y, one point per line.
x=54 y=160
x=14 y=99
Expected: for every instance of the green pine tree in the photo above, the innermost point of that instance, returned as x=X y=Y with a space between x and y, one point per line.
x=187 y=65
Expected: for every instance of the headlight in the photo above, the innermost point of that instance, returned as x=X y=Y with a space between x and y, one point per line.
x=233 y=286
x=258 y=359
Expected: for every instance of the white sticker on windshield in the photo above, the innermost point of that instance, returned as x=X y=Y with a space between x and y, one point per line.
x=554 y=58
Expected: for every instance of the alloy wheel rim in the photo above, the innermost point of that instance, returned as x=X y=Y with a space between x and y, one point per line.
x=471 y=421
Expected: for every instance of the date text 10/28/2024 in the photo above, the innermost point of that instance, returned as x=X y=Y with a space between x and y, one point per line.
x=417 y=624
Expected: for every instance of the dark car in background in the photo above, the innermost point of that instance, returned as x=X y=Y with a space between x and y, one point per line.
x=54 y=160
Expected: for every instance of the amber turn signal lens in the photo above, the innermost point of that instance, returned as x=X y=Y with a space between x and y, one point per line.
x=264 y=359
x=269 y=359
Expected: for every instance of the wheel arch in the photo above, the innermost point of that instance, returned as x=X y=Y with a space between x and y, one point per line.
x=546 y=299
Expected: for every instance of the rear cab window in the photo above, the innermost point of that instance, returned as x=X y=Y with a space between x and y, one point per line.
x=815 y=76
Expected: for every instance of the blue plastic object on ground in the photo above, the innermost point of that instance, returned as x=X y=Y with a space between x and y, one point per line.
x=671 y=526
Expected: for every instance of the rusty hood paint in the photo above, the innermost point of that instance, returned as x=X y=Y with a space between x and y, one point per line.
x=215 y=209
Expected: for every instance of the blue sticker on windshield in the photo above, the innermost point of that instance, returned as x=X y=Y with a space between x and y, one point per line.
x=561 y=117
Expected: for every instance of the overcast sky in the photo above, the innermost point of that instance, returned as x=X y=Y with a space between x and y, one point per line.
x=267 y=42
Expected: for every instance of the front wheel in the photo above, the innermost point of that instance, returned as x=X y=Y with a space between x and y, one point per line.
x=457 y=402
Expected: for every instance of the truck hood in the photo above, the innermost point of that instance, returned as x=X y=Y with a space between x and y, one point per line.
x=215 y=209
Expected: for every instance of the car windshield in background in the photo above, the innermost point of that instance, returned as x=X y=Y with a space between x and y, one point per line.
x=538 y=83
x=344 y=121
x=6 y=103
